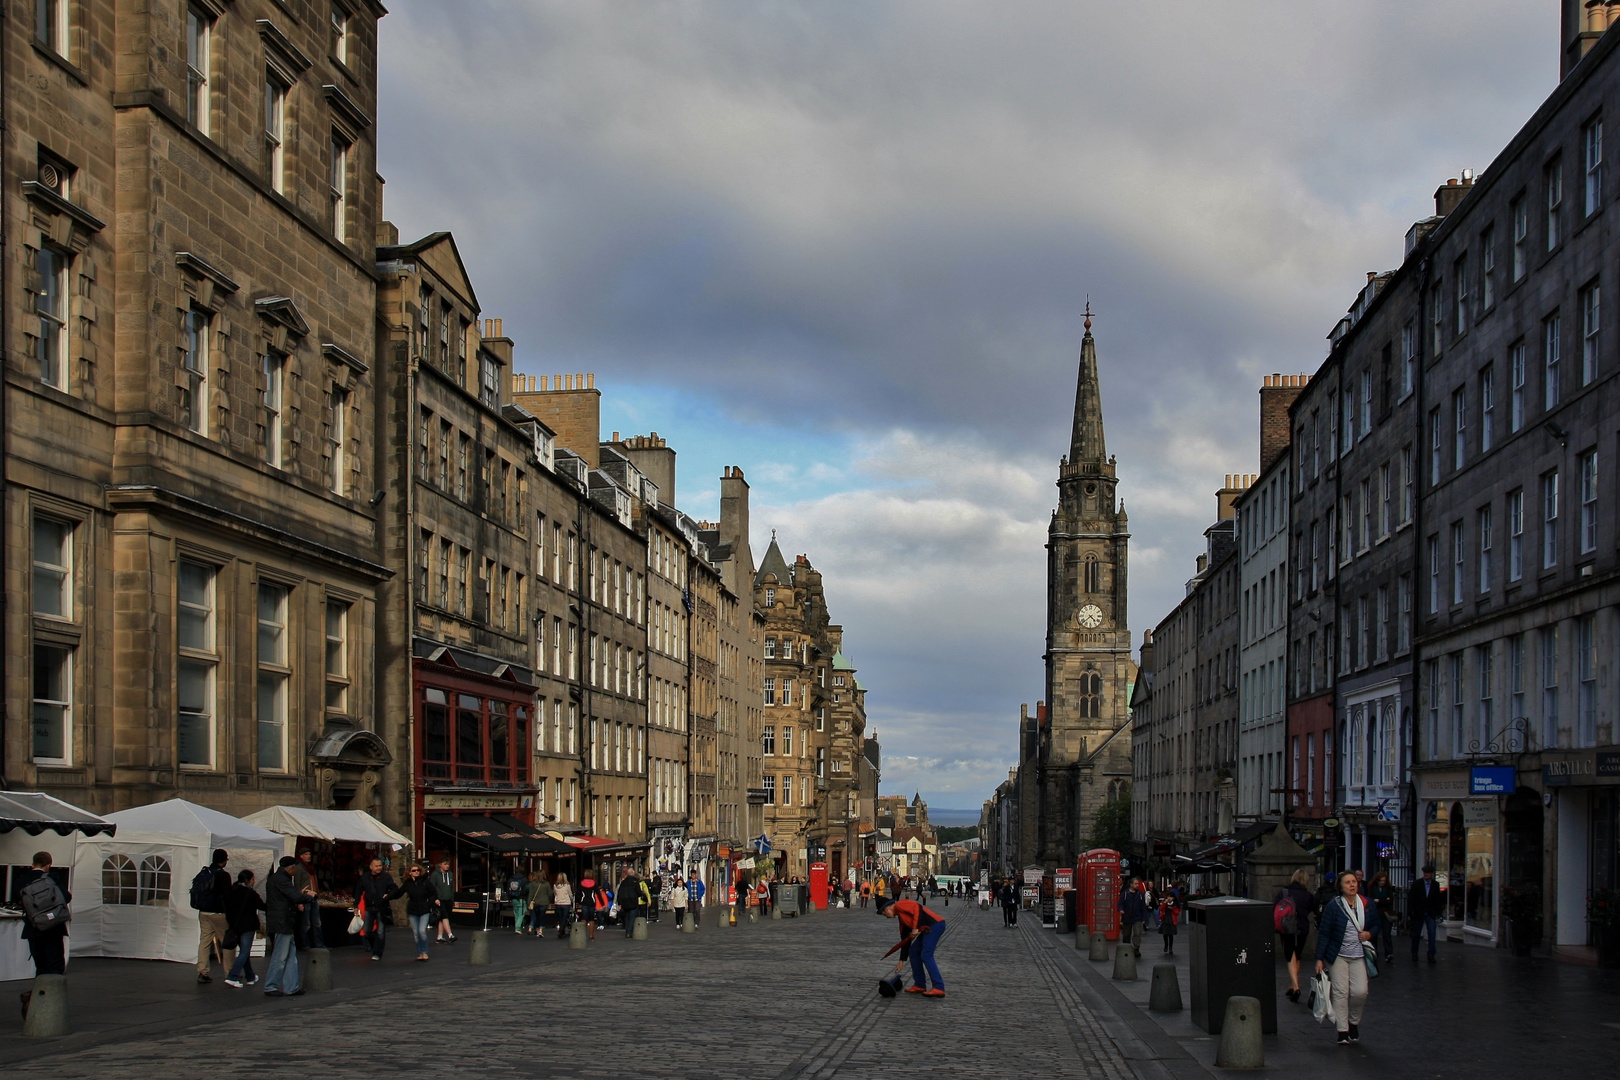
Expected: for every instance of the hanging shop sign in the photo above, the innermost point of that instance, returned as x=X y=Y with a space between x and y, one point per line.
x=1492 y=780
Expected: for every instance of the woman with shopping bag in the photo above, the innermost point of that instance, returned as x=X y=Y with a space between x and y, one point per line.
x=1348 y=923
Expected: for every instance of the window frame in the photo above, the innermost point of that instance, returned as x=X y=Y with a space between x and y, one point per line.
x=62 y=703
x=273 y=673
x=273 y=371
x=277 y=90
x=62 y=571
x=201 y=656
x=199 y=33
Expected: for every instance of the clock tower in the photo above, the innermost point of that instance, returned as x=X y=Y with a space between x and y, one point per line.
x=1083 y=749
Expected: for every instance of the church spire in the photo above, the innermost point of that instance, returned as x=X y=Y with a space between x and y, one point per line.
x=1087 y=442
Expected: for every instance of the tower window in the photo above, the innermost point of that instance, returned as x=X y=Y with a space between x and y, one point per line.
x=1090 y=695
x=1093 y=574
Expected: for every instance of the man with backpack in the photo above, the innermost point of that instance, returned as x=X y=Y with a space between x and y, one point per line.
x=45 y=922
x=209 y=891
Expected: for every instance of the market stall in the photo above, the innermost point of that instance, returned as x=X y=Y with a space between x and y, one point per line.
x=31 y=822
x=142 y=908
x=341 y=844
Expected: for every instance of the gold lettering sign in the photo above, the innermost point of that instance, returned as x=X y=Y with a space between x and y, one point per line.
x=432 y=801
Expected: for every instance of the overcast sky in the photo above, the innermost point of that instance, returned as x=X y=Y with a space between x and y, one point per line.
x=846 y=246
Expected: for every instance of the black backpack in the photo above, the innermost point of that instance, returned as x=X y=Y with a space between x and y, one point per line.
x=44 y=905
x=203 y=896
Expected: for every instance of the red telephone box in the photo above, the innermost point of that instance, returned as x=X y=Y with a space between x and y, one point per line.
x=818 y=885
x=1097 y=881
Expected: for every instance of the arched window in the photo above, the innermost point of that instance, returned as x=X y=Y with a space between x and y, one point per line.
x=1090 y=694
x=155 y=874
x=1093 y=574
x=119 y=884
x=1374 y=760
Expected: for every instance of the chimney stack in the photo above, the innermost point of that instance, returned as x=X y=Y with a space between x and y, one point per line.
x=1452 y=192
x=1277 y=395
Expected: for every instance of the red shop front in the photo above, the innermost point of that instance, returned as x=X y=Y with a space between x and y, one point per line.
x=472 y=737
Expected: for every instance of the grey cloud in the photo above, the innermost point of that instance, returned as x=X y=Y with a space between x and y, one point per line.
x=881 y=217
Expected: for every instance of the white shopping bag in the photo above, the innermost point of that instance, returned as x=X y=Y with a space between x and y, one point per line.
x=1322 y=999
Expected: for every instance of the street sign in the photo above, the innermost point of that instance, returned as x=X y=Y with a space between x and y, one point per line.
x=1492 y=780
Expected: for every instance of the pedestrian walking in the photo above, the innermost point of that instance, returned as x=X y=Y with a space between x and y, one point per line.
x=562 y=899
x=655 y=892
x=542 y=895
x=517 y=891
x=1425 y=903
x=920 y=931
x=1290 y=916
x=678 y=898
x=209 y=891
x=47 y=910
x=1169 y=918
x=1381 y=894
x=444 y=890
x=283 y=903
x=1132 y=913
x=694 y=898
x=628 y=898
x=242 y=909
x=372 y=893
x=1348 y=923
x=1009 y=904
x=420 y=900
x=866 y=892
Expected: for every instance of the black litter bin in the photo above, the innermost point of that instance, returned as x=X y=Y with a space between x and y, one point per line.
x=1068 y=903
x=1232 y=953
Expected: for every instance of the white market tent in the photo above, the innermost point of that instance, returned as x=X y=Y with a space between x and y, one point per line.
x=352 y=825
x=142 y=907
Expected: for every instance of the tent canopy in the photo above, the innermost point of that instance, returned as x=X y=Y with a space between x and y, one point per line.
x=354 y=825
x=34 y=812
x=177 y=817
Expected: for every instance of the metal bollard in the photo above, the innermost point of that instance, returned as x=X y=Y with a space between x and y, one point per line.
x=48 y=1008
x=317 y=969
x=638 y=929
x=1099 y=945
x=480 y=948
x=1125 y=962
x=1082 y=937
x=576 y=935
x=1241 y=1044
x=1165 y=993
x=688 y=924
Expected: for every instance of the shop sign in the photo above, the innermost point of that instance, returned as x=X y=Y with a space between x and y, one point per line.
x=1479 y=813
x=445 y=801
x=1581 y=767
x=1492 y=780
x=1034 y=874
x=1442 y=785
x=1065 y=878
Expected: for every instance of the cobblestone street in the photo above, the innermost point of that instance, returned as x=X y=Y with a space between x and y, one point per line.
x=794 y=998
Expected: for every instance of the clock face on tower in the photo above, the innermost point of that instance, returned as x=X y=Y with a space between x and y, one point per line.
x=1091 y=616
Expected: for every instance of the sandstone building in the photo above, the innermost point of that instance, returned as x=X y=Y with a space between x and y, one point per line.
x=193 y=550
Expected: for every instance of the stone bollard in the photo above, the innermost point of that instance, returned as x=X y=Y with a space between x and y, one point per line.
x=317 y=971
x=576 y=935
x=1099 y=945
x=1165 y=994
x=753 y=915
x=776 y=911
x=480 y=948
x=1241 y=1043
x=1125 y=962
x=48 y=1008
x=688 y=924
x=1082 y=937
x=638 y=930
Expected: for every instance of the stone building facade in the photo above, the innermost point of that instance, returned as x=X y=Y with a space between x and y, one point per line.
x=795 y=621
x=193 y=552
x=1081 y=756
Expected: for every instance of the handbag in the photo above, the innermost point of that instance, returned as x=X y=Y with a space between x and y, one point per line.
x=231 y=940
x=1367 y=958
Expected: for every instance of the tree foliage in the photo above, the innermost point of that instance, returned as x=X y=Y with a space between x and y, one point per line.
x=1111 y=827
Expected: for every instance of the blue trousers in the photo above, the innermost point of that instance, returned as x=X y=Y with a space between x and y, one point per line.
x=283 y=973
x=1421 y=923
x=922 y=955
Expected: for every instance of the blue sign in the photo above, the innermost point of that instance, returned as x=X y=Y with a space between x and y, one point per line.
x=1492 y=780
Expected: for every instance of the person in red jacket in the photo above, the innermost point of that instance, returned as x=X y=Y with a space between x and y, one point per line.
x=920 y=931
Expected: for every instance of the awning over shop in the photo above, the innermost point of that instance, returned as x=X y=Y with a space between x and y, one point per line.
x=353 y=825
x=502 y=833
x=34 y=812
x=585 y=844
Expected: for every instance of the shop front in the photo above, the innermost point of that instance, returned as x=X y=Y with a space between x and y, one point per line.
x=1482 y=830
x=1584 y=793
